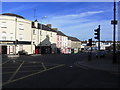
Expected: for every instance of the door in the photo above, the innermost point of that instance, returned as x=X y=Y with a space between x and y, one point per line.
x=4 y=49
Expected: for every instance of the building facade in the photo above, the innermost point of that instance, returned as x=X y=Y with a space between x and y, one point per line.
x=62 y=42
x=74 y=45
x=44 y=39
x=13 y=38
x=19 y=34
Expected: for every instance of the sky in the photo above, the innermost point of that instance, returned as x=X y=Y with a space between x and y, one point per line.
x=77 y=19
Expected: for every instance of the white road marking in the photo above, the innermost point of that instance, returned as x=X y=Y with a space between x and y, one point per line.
x=78 y=65
x=44 y=66
x=33 y=74
x=5 y=62
x=15 y=72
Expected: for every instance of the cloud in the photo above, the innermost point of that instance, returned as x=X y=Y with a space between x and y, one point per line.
x=80 y=26
x=84 y=14
x=71 y=19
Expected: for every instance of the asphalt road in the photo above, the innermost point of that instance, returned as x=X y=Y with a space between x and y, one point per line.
x=54 y=71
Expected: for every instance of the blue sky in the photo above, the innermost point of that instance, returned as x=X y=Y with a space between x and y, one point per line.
x=78 y=19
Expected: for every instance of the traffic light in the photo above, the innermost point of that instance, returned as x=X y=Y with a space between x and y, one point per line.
x=97 y=33
x=90 y=42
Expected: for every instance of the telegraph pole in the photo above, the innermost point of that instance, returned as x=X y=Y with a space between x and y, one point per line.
x=114 y=35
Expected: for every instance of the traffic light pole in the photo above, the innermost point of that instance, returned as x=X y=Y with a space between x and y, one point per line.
x=97 y=32
x=114 y=37
x=99 y=39
x=90 y=53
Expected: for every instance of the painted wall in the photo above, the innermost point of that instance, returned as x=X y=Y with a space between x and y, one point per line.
x=15 y=28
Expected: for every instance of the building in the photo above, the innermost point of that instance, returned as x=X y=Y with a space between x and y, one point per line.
x=62 y=42
x=19 y=34
x=13 y=38
x=74 y=44
x=44 y=39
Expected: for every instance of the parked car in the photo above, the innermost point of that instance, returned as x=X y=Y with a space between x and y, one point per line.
x=23 y=52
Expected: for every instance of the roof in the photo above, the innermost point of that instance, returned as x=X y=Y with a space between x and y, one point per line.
x=44 y=27
x=11 y=14
x=73 y=38
x=60 y=33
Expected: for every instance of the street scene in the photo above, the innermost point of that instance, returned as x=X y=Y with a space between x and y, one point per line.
x=60 y=44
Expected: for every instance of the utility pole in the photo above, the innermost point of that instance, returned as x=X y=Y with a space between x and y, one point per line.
x=114 y=35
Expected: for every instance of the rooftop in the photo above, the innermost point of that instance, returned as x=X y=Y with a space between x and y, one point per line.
x=73 y=38
x=11 y=14
x=60 y=33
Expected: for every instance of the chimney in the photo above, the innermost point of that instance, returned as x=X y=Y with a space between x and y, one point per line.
x=49 y=25
x=56 y=29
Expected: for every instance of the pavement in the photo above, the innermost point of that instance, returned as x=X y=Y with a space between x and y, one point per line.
x=101 y=64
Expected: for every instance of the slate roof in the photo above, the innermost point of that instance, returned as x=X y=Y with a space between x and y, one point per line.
x=44 y=27
x=73 y=38
x=11 y=14
x=60 y=33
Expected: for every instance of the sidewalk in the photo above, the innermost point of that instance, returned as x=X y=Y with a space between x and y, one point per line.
x=101 y=64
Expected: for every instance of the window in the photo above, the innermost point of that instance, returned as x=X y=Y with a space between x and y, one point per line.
x=20 y=36
x=4 y=35
x=3 y=25
x=51 y=34
x=21 y=27
x=34 y=32
x=11 y=36
x=41 y=33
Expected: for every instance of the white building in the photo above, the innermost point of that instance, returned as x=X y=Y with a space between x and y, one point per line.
x=44 y=40
x=14 y=28
x=104 y=45
x=17 y=34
